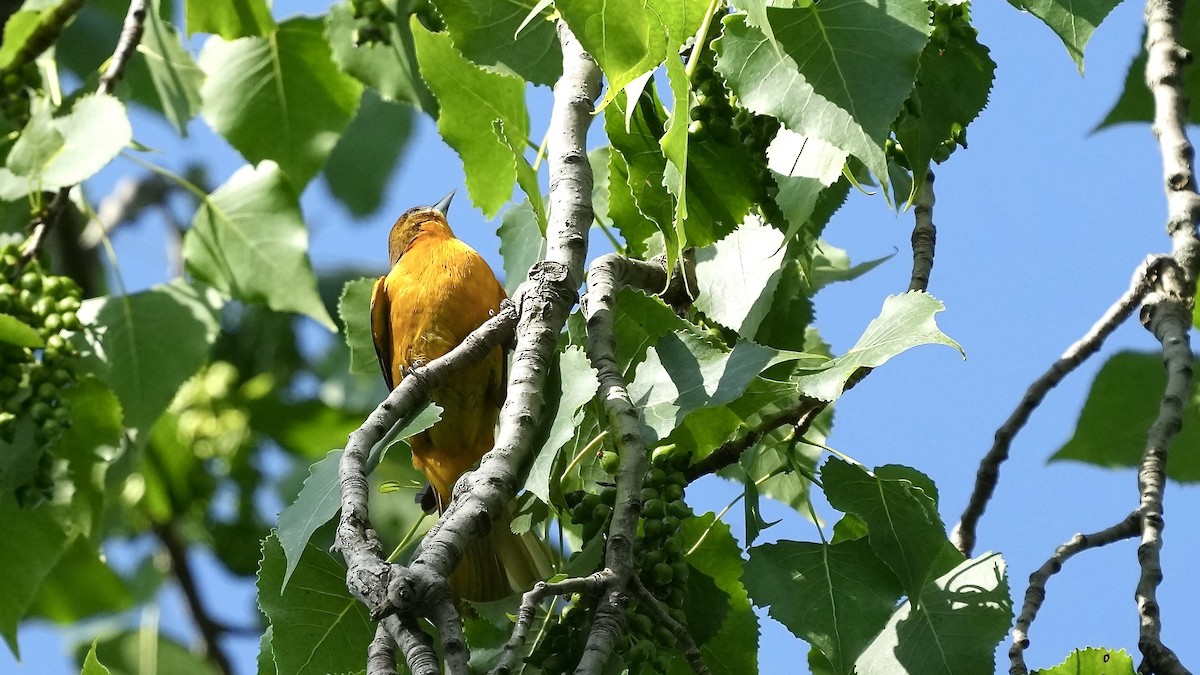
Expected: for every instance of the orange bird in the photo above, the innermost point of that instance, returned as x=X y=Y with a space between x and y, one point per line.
x=438 y=291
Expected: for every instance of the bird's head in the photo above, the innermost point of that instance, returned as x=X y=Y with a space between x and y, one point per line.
x=417 y=222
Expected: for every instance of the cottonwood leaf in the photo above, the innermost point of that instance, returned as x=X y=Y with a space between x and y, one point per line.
x=578 y=386
x=388 y=68
x=146 y=345
x=714 y=552
x=626 y=40
x=904 y=527
x=56 y=152
x=837 y=597
x=1093 y=661
x=851 y=64
x=952 y=89
x=471 y=100
x=81 y=586
x=16 y=332
x=279 y=97
x=485 y=31
x=124 y=653
x=802 y=167
x=905 y=321
x=737 y=276
x=92 y=665
x=17 y=29
x=354 y=308
x=521 y=244
x=249 y=240
x=674 y=145
x=644 y=170
x=1121 y=406
x=683 y=372
x=231 y=19
x=1072 y=22
x=316 y=626
x=367 y=155
x=173 y=71
x=31 y=543
x=954 y=628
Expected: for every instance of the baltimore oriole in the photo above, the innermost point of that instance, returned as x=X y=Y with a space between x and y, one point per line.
x=438 y=291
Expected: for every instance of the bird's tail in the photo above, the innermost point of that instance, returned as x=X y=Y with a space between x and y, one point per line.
x=502 y=563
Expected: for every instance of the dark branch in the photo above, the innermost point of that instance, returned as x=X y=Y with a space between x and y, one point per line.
x=210 y=630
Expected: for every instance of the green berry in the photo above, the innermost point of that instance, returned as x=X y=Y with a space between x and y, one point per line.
x=31 y=281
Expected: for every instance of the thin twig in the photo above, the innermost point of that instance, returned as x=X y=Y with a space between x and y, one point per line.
x=528 y=612
x=53 y=23
x=1035 y=595
x=181 y=568
x=43 y=36
x=988 y=475
x=660 y=615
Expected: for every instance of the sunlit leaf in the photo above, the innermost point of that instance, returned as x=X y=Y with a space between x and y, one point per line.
x=231 y=19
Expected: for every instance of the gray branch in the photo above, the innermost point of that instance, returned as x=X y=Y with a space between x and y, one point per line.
x=924 y=236
x=1035 y=595
x=1167 y=312
x=988 y=475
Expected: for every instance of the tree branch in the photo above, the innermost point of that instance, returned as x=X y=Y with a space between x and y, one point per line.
x=988 y=475
x=210 y=630
x=1167 y=313
x=1035 y=595
x=544 y=301
x=924 y=236
x=41 y=39
x=528 y=611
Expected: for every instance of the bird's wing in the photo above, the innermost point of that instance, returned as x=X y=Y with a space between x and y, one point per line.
x=381 y=329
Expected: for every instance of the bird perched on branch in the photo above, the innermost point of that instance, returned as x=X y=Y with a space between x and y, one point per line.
x=438 y=291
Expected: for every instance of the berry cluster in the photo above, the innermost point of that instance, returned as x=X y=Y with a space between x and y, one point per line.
x=15 y=89
x=372 y=18
x=659 y=560
x=32 y=379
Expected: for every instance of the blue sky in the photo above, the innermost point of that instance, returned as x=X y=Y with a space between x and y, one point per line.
x=1040 y=225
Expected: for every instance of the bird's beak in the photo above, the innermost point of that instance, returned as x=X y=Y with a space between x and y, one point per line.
x=444 y=205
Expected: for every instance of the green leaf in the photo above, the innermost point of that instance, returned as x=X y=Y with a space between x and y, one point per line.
x=905 y=321
x=737 y=276
x=279 y=97
x=579 y=384
x=230 y=19
x=903 y=525
x=17 y=332
x=831 y=264
x=174 y=72
x=485 y=31
x=1120 y=408
x=635 y=228
x=31 y=543
x=714 y=552
x=674 y=144
x=61 y=151
x=837 y=597
x=850 y=64
x=626 y=40
x=1073 y=22
x=249 y=240
x=1136 y=104
x=147 y=344
x=354 y=308
x=682 y=373
x=521 y=244
x=92 y=665
x=643 y=168
x=390 y=69
x=79 y=587
x=266 y=657
x=952 y=89
x=471 y=100
x=954 y=628
x=316 y=627
x=362 y=164
x=1093 y=661
x=91 y=442
x=802 y=167
x=136 y=652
